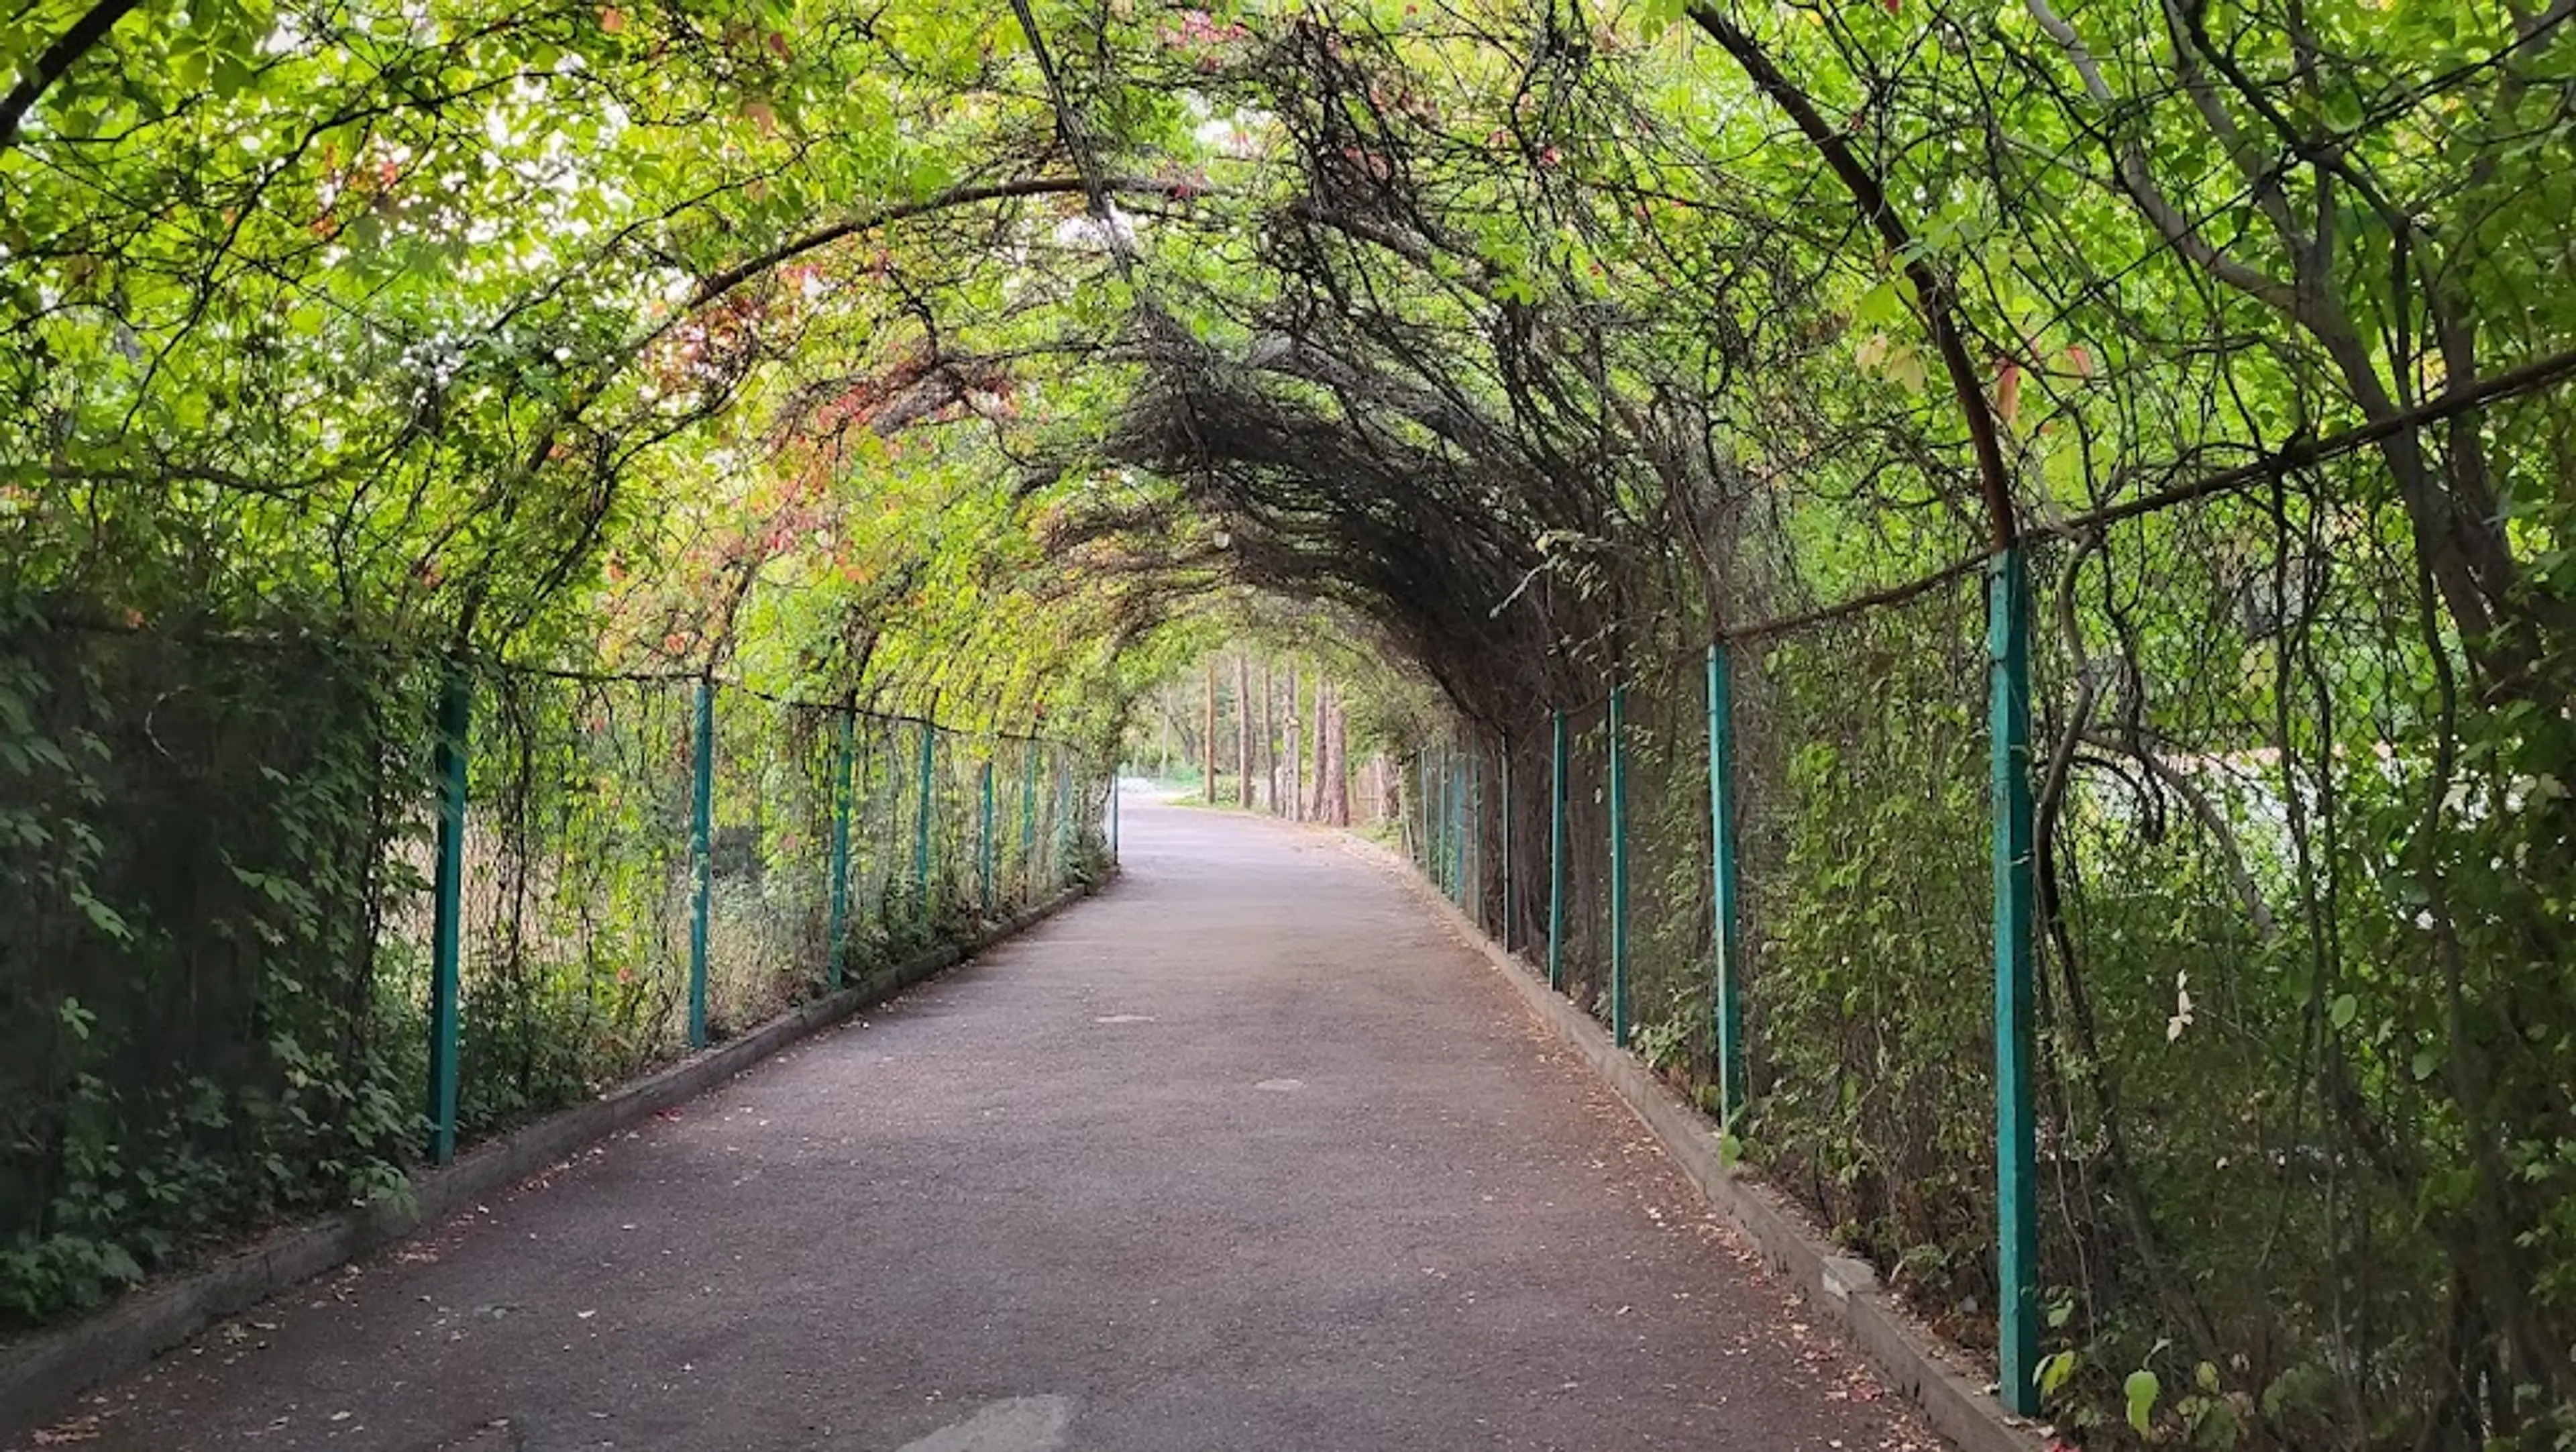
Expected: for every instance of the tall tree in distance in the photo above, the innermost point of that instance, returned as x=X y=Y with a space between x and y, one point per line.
x=1243 y=729
x=1332 y=764
x=1207 y=739
x=1291 y=792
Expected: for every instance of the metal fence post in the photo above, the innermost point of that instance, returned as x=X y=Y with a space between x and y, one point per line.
x=1556 y=853
x=701 y=858
x=1067 y=830
x=1064 y=829
x=929 y=804
x=1435 y=822
x=881 y=785
x=843 y=751
x=448 y=758
x=1474 y=835
x=1729 y=1005
x=1113 y=816
x=1421 y=813
x=2016 y=1192
x=984 y=854
x=1436 y=858
x=1458 y=827
x=1503 y=805
x=1479 y=853
x=1029 y=822
x=1433 y=812
x=1618 y=868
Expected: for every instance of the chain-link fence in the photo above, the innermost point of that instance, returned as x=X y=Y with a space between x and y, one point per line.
x=225 y=974
x=650 y=865
x=2284 y=953
x=1867 y=918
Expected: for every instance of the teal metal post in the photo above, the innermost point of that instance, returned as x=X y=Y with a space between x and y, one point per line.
x=1556 y=853
x=1435 y=853
x=929 y=805
x=844 y=752
x=1435 y=857
x=2016 y=1189
x=1449 y=820
x=1476 y=837
x=1458 y=828
x=1113 y=816
x=1728 y=1009
x=1618 y=867
x=984 y=854
x=1029 y=823
x=1063 y=820
x=702 y=866
x=447 y=908
x=1423 y=812
x=1503 y=804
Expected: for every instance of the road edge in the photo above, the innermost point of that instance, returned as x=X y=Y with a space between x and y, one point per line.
x=43 y=1375
x=1845 y=1289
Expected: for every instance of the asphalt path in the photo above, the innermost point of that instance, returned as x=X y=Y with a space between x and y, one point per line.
x=1247 y=1154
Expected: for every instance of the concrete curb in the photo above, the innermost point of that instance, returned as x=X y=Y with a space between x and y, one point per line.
x=42 y=1375
x=1956 y=1402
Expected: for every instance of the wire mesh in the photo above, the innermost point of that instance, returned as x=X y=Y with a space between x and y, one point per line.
x=204 y=1019
x=770 y=857
x=1868 y=930
x=2301 y=990
x=1586 y=951
x=2305 y=999
x=577 y=895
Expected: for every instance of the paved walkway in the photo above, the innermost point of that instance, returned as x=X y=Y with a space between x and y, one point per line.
x=1248 y=1155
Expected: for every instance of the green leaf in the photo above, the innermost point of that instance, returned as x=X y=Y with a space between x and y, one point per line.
x=1883 y=306
x=232 y=76
x=117 y=1264
x=2341 y=1012
x=2141 y=1390
x=108 y=921
x=2054 y=1369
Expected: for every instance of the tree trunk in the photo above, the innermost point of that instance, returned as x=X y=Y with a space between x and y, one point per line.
x=1243 y=730
x=1292 y=797
x=1337 y=806
x=1163 y=734
x=1207 y=753
x=1323 y=756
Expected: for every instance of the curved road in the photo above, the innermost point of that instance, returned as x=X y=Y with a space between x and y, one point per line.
x=1246 y=1155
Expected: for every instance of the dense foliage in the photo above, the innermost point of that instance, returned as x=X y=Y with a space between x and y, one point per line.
x=887 y=355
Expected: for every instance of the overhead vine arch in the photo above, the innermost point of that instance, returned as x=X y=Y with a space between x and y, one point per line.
x=880 y=354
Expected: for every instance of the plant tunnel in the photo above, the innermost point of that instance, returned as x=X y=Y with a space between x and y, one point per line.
x=1989 y=585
